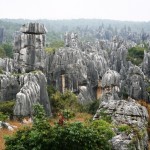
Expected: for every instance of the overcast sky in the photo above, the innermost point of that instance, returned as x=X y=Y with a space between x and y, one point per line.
x=129 y=10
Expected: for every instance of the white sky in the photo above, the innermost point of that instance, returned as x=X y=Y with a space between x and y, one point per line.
x=129 y=10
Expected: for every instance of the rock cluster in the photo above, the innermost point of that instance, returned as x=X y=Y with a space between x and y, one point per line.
x=17 y=81
x=123 y=112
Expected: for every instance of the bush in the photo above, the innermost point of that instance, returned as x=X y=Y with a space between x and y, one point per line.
x=71 y=136
x=54 y=46
x=91 y=107
x=68 y=114
x=7 y=107
x=124 y=128
x=136 y=55
x=61 y=101
x=3 y=117
x=104 y=116
x=8 y=47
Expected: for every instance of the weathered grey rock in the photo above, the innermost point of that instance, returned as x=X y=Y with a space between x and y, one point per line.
x=146 y=63
x=7 y=64
x=33 y=91
x=29 y=45
x=7 y=126
x=136 y=84
x=33 y=28
x=127 y=112
x=9 y=86
x=28 y=96
x=71 y=40
x=110 y=78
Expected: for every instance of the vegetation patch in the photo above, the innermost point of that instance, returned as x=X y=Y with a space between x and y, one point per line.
x=52 y=47
x=6 y=108
x=74 y=136
x=136 y=55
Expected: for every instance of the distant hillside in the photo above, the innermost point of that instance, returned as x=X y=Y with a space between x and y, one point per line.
x=56 y=28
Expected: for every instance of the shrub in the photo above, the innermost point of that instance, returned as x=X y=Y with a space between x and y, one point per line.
x=92 y=107
x=71 y=136
x=68 y=114
x=104 y=116
x=61 y=101
x=124 y=128
x=3 y=117
x=7 y=107
x=54 y=46
x=136 y=55
x=35 y=138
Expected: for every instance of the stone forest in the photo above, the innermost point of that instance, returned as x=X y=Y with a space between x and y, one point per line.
x=112 y=70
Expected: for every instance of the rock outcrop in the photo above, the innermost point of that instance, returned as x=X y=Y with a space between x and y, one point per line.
x=9 y=86
x=33 y=91
x=123 y=112
x=29 y=45
x=17 y=81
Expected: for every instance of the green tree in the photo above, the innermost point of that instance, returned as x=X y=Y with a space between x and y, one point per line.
x=8 y=49
x=136 y=55
x=53 y=46
x=2 y=52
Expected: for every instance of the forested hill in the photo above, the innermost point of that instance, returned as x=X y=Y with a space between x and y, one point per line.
x=58 y=27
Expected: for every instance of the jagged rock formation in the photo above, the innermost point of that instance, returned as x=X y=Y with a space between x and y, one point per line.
x=79 y=70
x=30 y=88
x=29 y=51
x=33 y=90
x=9 y=86
x=146 y=63
x=71 y=40
x=127 y=112
x=136 y=84
x=7 y=64
x=1 y=35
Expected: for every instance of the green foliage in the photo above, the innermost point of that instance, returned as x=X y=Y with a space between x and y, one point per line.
x=104 y=116
x=61 y=101
x=35 y=138
x=93 y=107
x=7 y=107
x=104 y=129
x=54 y=46
x=3 y=117
x=6 y=49
x=74 y=136
x=1 y=71
x=135 y=55
x=68 y=114
x=2 y=52
x=77 y=136
x=124 y=128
